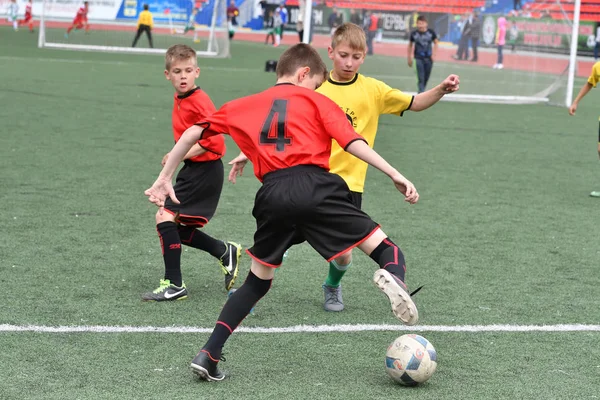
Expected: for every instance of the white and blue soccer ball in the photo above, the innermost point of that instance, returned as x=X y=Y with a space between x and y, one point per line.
x=410 y=360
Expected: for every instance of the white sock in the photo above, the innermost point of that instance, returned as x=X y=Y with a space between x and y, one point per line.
x=277 y=39
x=15 y=25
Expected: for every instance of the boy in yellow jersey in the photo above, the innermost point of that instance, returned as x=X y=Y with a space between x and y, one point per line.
x=591 y=83
x=145 y=24
x=363 y=99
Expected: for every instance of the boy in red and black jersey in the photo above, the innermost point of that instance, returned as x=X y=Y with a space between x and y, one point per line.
x=198 y=184
x=286 y=132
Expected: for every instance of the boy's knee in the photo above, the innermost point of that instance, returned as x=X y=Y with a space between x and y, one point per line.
x=344 y=259
x=164 y=217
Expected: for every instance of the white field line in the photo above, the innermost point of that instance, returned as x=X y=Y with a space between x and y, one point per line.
x=303 y=328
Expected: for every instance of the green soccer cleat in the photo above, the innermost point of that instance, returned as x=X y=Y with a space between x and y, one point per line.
x=595 y=194
x=166 y=292
x=234 y=253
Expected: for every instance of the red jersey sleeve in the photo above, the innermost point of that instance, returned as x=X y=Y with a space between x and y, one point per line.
x=336 y=123
x=215 y=124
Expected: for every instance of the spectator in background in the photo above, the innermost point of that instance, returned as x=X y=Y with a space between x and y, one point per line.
x=334 y=20
x=517 y=5
x=379 y=36
x=232 y=13
x=500 y=41
x=283 y=13
x=355 y=17
x=475 y=33
x=371 y=22
x=463 y=44
x=597 y=47
x=513 y=34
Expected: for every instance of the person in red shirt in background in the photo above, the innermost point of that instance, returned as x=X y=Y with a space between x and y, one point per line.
x=371 y=22
x=198 y=184
x=286 y=131
x=81 y=19
x=232 y=13
x=28 y=16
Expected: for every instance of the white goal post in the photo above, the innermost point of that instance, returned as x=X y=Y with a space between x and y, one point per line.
x=112 y=27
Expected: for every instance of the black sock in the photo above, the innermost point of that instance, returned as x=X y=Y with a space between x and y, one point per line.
x=390 y=257
x=234 y=311
x=171 y=249
x=199 y=240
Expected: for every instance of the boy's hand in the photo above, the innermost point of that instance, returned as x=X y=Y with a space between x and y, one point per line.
x=410 y=62
x=159 y=191
x=450 y=84
x=238 y=167
x=572 y=109
x=406 y=188
x=164 y=160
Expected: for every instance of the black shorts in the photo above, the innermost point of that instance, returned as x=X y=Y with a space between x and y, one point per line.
x=198 y=187
x=306 y=203
x=356 y=198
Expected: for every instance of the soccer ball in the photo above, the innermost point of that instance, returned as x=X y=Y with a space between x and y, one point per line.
x=410 y=360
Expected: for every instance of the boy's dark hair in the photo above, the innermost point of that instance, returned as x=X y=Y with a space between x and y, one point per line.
x=179 y=52
x=146 y=7
x=421 y=18
x=298 y=56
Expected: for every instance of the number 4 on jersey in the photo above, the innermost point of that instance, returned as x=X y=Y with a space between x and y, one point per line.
x=273 y=132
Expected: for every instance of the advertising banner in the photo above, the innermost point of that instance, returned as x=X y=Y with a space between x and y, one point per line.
x=539 y=34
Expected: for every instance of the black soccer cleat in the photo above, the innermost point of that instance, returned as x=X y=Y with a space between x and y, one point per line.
x=206 y=368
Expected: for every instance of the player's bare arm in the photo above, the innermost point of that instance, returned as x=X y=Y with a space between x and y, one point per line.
x=163 y=185
x=238 y=165
x=435 y=49
x=426 y=99
x=409 y=56
x=362 y=150
x=196 y=150
x=584 y=90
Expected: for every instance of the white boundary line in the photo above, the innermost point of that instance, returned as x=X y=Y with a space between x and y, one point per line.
x=304 y=328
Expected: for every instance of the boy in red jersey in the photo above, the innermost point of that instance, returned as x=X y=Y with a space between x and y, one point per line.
x=286 y=131
x=80 y=20
x=28 y=16
x=198 y=184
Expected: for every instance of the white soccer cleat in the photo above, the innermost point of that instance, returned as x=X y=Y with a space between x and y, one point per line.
x=403 y=306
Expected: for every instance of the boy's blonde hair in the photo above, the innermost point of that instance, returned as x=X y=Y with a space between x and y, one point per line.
x=179 y=52
x=350 y=34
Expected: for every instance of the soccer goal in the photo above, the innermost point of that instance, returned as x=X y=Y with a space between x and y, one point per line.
x=111 y=26
x=543 y=44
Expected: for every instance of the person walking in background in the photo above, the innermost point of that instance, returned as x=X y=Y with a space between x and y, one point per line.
x=500 y=41
x=475 y=33
x=425 y=42
x=232 y=13
x=145 y=24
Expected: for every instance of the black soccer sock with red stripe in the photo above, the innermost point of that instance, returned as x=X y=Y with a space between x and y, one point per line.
x=197 y=239
x=234 y=311
x=390 y=257
x=171 y=249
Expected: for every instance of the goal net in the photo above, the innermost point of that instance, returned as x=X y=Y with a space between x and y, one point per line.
x=111 y=26
x=535 y=44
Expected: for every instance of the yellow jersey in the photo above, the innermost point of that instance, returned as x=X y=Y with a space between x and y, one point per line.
x=595 y=75
x=145 y=18
x=363 y=99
